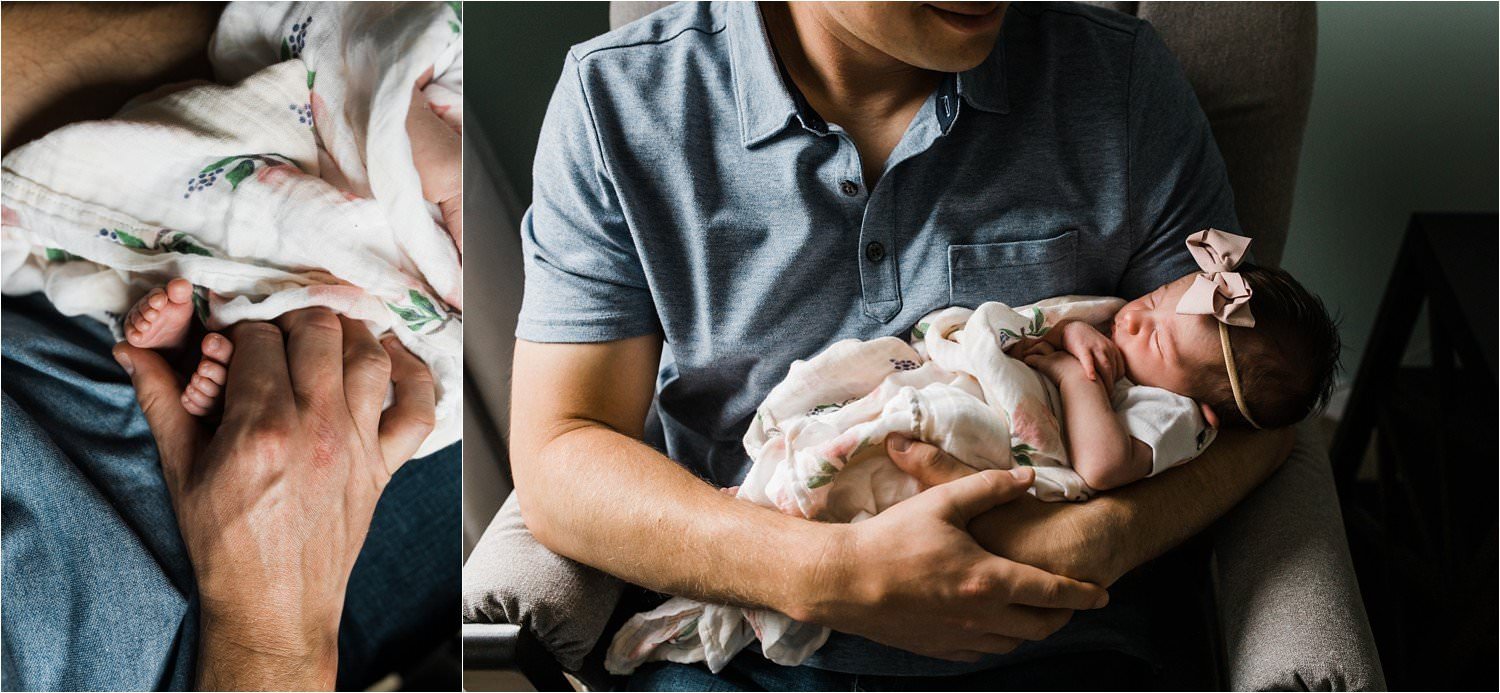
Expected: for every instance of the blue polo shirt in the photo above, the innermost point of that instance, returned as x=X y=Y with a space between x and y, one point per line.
x=683 y=187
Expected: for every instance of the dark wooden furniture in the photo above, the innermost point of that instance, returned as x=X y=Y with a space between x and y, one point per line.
x=1423 y=531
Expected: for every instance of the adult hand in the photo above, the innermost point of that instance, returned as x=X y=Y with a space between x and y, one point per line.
x=912 y=577
x=275 y=503
x=1026 y=530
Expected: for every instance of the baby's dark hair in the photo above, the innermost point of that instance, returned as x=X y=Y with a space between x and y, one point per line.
x=1286 y=363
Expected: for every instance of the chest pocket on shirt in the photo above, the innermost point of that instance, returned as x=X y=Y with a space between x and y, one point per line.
x=1016 y=272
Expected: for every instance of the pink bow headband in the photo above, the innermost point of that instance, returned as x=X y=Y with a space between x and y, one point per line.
x=1218 y=290
x=1221 y=292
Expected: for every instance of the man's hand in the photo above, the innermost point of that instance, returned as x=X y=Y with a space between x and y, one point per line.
x=912 y=577
x=274 y=505
x=1111 y=534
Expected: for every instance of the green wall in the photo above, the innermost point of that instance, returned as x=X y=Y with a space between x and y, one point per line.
x=1403 y=119
x=513 y=55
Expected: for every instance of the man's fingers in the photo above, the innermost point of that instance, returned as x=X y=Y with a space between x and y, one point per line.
x=412 y=416
x=1034 y=623
x=991 y=643
x=978 y=493
x=314 y=348
x=367 y=373
x=258 y=380
x=929 y=465
x=1033 y=586
x=160 y=395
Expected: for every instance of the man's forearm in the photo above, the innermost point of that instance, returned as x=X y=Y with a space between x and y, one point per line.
x=74 y=61
x=1104 y=538
x=609 y=501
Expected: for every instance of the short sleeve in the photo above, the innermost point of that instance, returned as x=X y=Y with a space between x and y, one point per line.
x=1178 y=183
x=584 y=279
x=1171 y=424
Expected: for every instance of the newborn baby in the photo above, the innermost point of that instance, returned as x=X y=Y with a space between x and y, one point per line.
x=1109 y=393
x=163 y=318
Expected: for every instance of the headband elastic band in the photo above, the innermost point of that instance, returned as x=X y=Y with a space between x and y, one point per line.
x=1234 y=375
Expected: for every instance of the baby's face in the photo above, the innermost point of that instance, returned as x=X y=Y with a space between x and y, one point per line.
x=1161 y=348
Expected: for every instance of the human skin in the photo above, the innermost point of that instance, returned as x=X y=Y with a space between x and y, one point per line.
x=1150 y=343
x=592 y=491
x=274 y=503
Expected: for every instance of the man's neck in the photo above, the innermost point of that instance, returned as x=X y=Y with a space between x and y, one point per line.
x=870 y=94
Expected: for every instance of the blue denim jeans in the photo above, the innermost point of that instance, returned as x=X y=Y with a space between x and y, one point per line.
x=98 y=590
x=1082 y=671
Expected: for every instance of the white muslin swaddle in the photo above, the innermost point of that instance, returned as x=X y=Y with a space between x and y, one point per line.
x=817 y=450
x=293 y=187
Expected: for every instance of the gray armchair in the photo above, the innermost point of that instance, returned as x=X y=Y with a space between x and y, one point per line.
x=1287 y=608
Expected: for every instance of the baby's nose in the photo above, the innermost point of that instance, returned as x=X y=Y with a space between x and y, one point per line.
x=1130 y=321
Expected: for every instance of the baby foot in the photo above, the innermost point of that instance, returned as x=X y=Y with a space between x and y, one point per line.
x=162 y=318
x=201 y=396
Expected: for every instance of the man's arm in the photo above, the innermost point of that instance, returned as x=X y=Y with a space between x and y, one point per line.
x=1113 y=533
x=69 y=61
x=911 y=577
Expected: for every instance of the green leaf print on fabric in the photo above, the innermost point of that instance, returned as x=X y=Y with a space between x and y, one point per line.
x=128 y=240
x=310 y=76
x=1022 y=452
x=179 y=242
x=208 y=176
x=420 y=314
x=1037 y=328
x=823 y=477
x=456 y=24
x=920 y=331
x=286 y=51
x=200 y=303
x=238 y=173
x=60 y=255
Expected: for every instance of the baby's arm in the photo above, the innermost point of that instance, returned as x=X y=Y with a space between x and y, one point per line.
x=1102 y=452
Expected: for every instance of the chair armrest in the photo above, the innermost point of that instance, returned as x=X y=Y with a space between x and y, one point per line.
x=511 y=578
x=1289 y=607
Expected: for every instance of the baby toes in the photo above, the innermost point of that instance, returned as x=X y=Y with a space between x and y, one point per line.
x=217 y=349
x=201 y=397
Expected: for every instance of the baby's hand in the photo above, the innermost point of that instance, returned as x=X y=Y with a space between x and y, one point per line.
x=1057 y=365
x=1097 y=353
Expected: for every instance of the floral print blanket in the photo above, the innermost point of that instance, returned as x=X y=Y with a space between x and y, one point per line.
x=817 y=450
x=288 y=183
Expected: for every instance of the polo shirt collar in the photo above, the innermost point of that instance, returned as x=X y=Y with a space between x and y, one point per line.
x=768 y=104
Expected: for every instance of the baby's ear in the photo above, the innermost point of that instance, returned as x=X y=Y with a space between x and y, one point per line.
x=1209 y=415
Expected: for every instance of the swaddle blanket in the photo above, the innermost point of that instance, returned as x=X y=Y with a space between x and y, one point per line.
x=817 y=450
x=292 y=188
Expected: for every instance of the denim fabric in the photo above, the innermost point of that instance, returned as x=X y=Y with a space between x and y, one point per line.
x=684 y=187
x=1082 y=671
x=98 y=591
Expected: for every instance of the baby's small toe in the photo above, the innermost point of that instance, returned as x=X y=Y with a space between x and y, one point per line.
x=204 y=386
x=217 y=347
x=195 y=403
x=212 y=371
x=179 y=290
x=156 y=299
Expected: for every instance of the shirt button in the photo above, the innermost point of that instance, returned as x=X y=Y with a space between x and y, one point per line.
x=875 y=251
x=849 y=188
